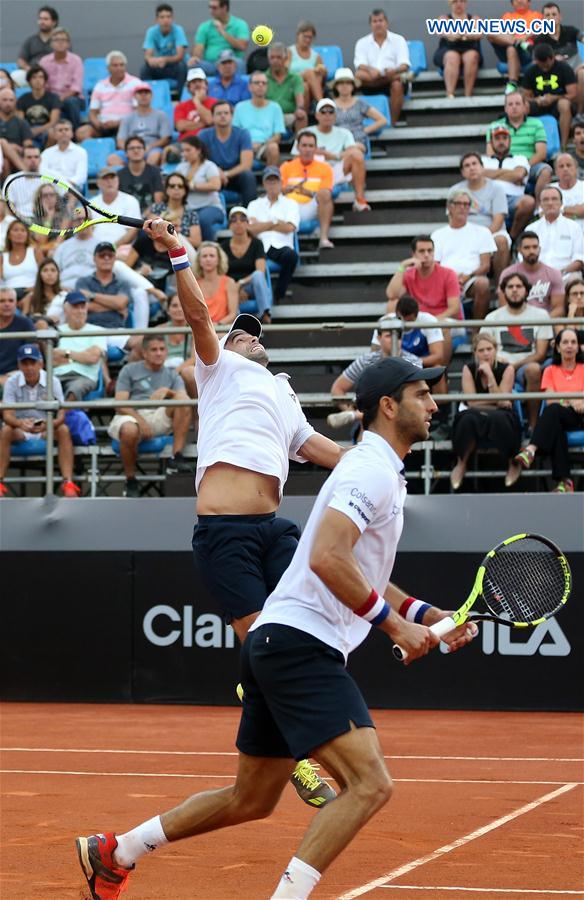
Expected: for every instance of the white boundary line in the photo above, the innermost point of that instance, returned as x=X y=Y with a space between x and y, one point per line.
x=448 y=848
x=547 y=759
x=477 y=890
x=232 y=775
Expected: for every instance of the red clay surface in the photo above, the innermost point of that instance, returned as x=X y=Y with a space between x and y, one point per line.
x=51 y=792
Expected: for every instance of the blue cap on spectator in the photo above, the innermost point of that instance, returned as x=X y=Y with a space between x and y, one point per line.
x=75 y=297
x=29 y=351
x=271 y=172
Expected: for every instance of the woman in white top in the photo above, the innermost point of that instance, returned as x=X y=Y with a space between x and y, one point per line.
x=47 y=296
x=204 y=182
x=303 y=60
x=19 y=262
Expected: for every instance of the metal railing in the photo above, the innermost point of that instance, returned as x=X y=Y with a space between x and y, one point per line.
x=312 y=400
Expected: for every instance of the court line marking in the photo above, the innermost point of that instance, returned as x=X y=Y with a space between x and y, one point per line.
x=232 y=776
x=547 y=759
x=459 y=842
x=474 y=890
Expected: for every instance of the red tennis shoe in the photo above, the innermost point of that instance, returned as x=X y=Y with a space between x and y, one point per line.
x=106 y=880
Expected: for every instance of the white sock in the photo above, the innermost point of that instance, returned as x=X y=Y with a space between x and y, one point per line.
x=146 y=838
x=297 y=882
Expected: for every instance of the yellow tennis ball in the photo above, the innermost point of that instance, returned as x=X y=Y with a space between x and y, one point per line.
x=262 y=35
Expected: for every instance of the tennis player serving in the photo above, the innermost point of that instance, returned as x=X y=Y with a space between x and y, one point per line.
x=298 y=696
x=250 y=425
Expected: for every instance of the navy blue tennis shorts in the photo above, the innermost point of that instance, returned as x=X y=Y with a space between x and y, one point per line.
x=242 y=558
x=297 y=694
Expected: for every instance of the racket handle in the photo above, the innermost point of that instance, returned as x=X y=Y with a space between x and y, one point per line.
x=137 y=223
x=439 y=629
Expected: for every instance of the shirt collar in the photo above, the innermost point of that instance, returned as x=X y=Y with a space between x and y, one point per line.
x=396 y=463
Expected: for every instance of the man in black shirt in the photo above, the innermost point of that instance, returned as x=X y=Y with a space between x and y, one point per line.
x=551 y=88
x=41 y=108
x=15 y=131
x=38 y=45
x=10 y=320
x=564 y=41
x=139 y=178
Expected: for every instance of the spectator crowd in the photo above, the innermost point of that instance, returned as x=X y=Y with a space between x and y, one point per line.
x=211 y=136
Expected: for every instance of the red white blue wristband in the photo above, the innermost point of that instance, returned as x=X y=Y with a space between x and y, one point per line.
x=179 y=259
x=413 y=610
x=374 y=610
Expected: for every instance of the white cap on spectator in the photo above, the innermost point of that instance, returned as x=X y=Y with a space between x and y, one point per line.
x=326 y=101
x=193 y=74
x=344 y=74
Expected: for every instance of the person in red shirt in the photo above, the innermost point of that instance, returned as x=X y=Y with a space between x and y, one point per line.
x=565 y=375
x=435 y=287
x=191 y=116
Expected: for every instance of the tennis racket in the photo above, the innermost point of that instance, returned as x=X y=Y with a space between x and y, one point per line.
x=54 y=208
x=523 y=581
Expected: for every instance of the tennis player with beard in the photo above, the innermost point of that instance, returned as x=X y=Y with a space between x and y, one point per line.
x=299 y=698
x=250 y=426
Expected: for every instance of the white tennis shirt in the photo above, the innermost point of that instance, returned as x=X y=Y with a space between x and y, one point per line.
x=366 y=486
x=248 y=417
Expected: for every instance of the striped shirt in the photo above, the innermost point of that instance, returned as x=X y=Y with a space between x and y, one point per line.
x=114 y=102
x=358 y=366
x=525 y=137
x=16 y=390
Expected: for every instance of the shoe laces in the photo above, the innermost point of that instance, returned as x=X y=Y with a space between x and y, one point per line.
x=305 y=772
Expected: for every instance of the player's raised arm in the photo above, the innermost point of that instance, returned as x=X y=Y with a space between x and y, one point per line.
x=189 y=293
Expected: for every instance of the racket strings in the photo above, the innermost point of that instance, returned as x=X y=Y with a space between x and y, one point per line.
x=44 y=204
x=525 y=581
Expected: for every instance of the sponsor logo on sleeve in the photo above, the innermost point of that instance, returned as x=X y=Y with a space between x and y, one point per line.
x=360 y=503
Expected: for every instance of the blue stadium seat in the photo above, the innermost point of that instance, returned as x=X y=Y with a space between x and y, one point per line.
x=581 y=50
x=332 y=57
x=99 y=391
x=98 y=150
x=9 y=67
x=161 y=98
x=34 y=447
x=20 y=91
x=152 y=445
x=552 y=134
x=418 y=61
x=380 y=102
x=575 y=438
x=94 y=69
x=308 y=226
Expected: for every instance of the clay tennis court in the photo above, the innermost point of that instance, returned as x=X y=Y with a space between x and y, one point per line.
x=486 y=805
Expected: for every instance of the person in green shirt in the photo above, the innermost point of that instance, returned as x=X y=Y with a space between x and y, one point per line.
x=286 y=89
x=221 y=32
x=528 y=138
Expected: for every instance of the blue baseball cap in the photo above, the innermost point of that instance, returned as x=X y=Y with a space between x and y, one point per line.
x=29 y=351
x=75 y=297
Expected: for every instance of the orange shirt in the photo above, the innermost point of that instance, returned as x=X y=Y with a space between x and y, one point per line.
x=555 y=378
x=217 y=303
x=528 y=15
x=315 y=176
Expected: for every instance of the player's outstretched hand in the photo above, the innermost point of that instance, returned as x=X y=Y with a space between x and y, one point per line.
x=461 y=636
x=157 y=229
x=415 y=640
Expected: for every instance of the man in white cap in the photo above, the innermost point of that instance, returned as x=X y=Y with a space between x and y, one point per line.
x=337 y=147
x=190 y=116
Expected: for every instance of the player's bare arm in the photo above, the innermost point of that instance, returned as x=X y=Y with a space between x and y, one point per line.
x=333 y=560
x=322 y=451
x=457 y=638
x=190 y=296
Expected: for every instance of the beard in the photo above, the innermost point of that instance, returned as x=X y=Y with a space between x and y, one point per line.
x=515 y=304
x=410 y=428
x=531 y=259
